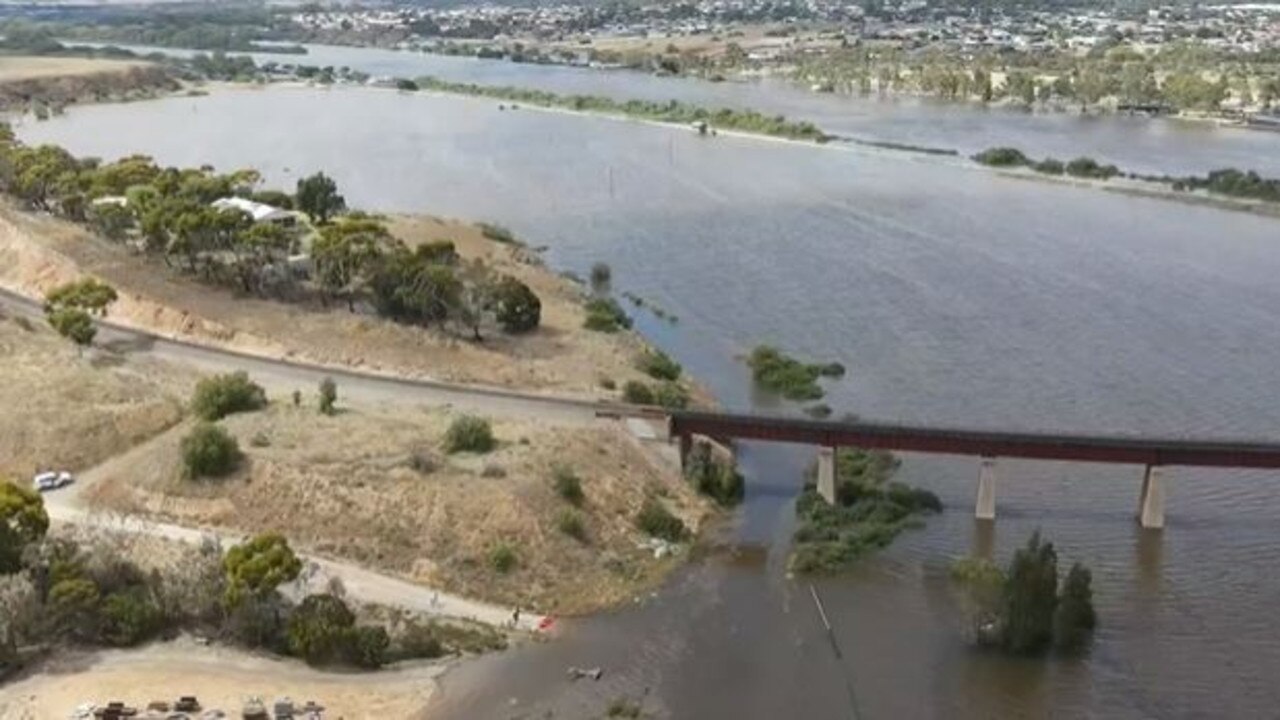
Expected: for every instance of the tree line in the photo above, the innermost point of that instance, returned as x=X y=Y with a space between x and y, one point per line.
x=674 y=111
x=1179 y=77
x=168 y=213
x=56 y=590
x=1229 y=182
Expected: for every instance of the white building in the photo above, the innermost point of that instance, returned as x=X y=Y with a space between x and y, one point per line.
x=260 y=212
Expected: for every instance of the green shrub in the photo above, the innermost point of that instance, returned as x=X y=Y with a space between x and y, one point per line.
x=319 y=629
x=502 y=558
x=1002 y=157
x=606 y=315
x=868 y=513
x=405 y=84
x=209 y=451
x=516 y=307
x=498 y=233
x=366 y=646
x=1087 y=167
x=658 y=365
x=672 y=396
x=656 y=520
x=601 y=274
x=418 y=641
x=570 y=523
x=818 y=410
x=623 y=708
x=792 y=379
x=913 y=499
x=462 y=637
x=567 y=485
x=637 y=393
x=328 y=396
x=608 y=383
x=712 y=477
x=832 y=370
x=1030 y=598
x=1049 y=166
x=1074 y=618
x=469 y=434
x=218 y=396
x=129 y=616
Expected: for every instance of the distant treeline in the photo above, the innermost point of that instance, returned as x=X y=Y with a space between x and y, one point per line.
x=213 y=31
x=1229 y=182
x=672 y=111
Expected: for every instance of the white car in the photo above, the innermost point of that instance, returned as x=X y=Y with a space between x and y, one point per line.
x=52 y=480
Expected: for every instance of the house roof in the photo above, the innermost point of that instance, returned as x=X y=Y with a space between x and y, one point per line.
x=260 y=212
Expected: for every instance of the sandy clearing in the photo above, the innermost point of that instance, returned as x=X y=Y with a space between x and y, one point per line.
x=220 y=677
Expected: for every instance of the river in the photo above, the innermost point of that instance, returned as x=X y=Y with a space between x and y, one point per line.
x=1139 y=144
x=954 y=296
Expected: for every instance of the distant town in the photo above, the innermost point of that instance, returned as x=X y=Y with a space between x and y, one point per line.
x=1213 y=62
x=1244 y=28
x=1218 y=61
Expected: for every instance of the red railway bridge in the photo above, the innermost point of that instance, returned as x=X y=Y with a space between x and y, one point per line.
x=1151 y=453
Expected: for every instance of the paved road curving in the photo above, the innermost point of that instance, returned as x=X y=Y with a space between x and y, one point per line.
x=286 y=375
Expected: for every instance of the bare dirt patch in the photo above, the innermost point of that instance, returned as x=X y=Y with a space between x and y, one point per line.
x=375 y=486
x=38 y=252
x=70 y=410
x=32 y=67
x=219 y=677
x=28 y=82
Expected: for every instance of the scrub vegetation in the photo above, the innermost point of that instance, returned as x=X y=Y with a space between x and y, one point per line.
x=1024 y=610
x=1226 y=182
x=672 y=111
x=795 y=380
x=869 y=512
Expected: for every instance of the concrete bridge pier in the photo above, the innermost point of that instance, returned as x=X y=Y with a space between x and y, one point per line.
x=827 y=474
x=1151 y=502
x=985 y=506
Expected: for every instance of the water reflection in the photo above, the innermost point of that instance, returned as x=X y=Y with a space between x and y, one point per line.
x=984 y=539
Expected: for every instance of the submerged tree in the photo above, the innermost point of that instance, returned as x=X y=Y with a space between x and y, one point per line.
x=1075 y=618
x=1030 y=597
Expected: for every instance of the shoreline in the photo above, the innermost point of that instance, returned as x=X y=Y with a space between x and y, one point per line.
x=858 y=145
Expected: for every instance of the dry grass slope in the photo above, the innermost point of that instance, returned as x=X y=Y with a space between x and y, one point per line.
x=376 y=487
x=37 y=253
x=69 y=410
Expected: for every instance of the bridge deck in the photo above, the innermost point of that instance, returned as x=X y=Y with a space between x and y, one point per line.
x=955 y=441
